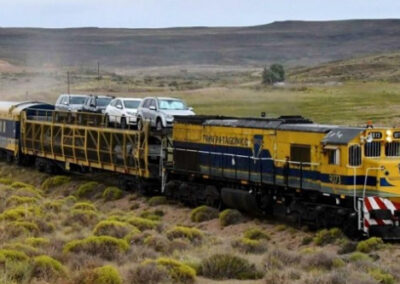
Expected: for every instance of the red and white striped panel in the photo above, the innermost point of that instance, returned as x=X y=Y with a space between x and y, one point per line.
x=376 y=203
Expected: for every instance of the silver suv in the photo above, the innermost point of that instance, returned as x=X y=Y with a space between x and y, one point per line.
x=72 y=103
x=160 y=111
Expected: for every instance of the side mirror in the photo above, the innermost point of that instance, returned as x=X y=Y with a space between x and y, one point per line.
x=119 y=107
x=190 y=108
x=66 y=103
x=152 y=108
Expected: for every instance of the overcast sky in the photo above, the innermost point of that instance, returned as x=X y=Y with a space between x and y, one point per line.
x=173 y=13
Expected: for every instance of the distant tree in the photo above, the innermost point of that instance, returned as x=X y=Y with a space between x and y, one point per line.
x=276 y=73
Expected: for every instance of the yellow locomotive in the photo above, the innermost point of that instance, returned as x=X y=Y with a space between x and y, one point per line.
x=327 y=174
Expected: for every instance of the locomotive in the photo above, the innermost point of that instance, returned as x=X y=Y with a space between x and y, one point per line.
x=323 y=175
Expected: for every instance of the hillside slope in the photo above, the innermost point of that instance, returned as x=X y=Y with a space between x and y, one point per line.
x=291 y=42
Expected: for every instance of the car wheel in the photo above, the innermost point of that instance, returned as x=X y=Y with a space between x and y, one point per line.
x=123 y=123
x=159 y=125
x=107 y=121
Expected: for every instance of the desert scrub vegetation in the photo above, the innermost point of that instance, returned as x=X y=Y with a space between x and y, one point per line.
x=5 y=181
x=178 y=271
x=148 y=273
x=382 y=276
x=16 y=200
x=370 y=244
x=21 y=212
x=18 y=228
x=37 y=241
x=247 y=245
x=87 y=190
x=155 y=215
x=53 y=205
x=47 y=268
x=112 y=228
x=143 y=223
x=256 y=234
x=230 y=217
x=203 y=213
x=228 y=266
x=84 y=206
x=157 y=200
x=101 y=275
x=112 y=193
x=55 y=181
x=181 y=232
x=328 y=236
x=104 y=246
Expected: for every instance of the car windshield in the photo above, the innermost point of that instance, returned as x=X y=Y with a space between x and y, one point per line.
x=131 y=104
x=77 y=100
x=101 y=102
x=172 y=105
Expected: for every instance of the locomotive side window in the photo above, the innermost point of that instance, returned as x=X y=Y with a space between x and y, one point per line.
x=355 y=155
x=300 y=153
x=392 y=149
x=334 y=156
x=372 y=149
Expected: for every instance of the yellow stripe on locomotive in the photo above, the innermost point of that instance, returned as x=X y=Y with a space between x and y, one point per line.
x=292 y=152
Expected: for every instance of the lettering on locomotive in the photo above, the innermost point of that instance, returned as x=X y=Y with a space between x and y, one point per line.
x=226 y=140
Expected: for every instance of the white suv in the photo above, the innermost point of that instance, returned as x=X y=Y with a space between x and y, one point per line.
x=123 y=111
x=160 y=111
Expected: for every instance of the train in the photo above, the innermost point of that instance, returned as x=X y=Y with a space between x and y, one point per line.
x=315 y=174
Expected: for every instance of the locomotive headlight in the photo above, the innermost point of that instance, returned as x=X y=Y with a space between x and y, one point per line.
x=389 y=139
x=389 y=133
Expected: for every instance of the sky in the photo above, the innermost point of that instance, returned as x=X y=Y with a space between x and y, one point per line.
x=183 y=13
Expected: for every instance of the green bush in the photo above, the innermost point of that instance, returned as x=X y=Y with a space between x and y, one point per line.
x=148 y=273
x=347 y=247
x=12 y=255
x=158 y=243
x=84 y=206
x=47 y=268
x=84 y=217
x=18 y=185
x=144 y=224
x=54 y=206
x=69 y=200
x=370 y=244
x=103 y=275
x=326 y=236
x=192 y=234
x=112 y=228
x=112 y=193
x=256 y=234
x=132 y=235
x=247 y=245
x=359 y=256
x=6 y=181
x=381 y=276
x=29 y=192
x=55 y=181
x=25 y=248
x=104 y=246
x=20 y=200
x=150 y=216
x=230 y=217
x=87 y=190
x=37 y=242
x=157 y=200
x=179 y=272
x=203 y=213
x=18 y=228
x=227 y=266
x=19 y=213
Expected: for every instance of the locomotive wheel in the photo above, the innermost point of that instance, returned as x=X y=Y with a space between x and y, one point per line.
x=349 y=227
x=9 y=157
x=212 y=196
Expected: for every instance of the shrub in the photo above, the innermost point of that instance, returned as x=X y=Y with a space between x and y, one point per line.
x=18 y=228
x=158 y=243
x=28 y=192
x=55 y=181
x=25 y=248
x=20 y=200
x=369 y=245
x=87 y=190
x=133 y=235
x=103 y=275
x=19 y=213
x=54 y=206
x=69 y=200
x=12 y=255
x=227 y=266
x=47 y=268
x=178 y=271
x=18 y=185
x=191 y=234
x=359 y=256
x=306 y=240
x=279 y=258
x=203 y=213
x=37 y=242
x=149 y=273
x=326 y=236
x=84 y=217
x=6 y=181
x=247 y=245
x=256 y=234
x=112 y=193
x=104 y=246
x=84 y=206
x=112 y=228
x=347 y=247
x=150 y=215
x=157 y=200
x=381 y=276
x=318 y=260
x=281 y=228
x=230 y=217
x=144 y=224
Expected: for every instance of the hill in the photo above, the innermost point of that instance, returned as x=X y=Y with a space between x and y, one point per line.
x=292 y=43
x=381 y=67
